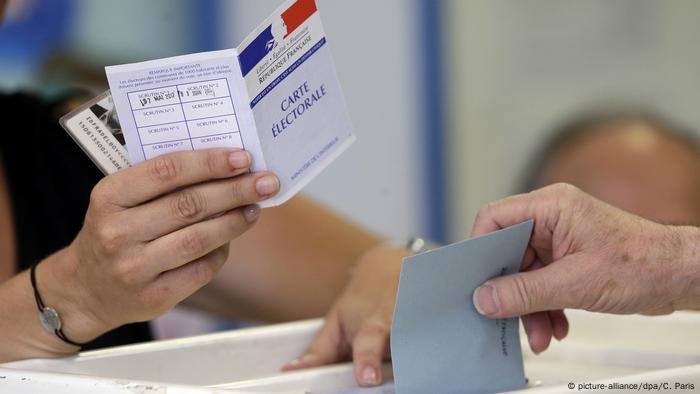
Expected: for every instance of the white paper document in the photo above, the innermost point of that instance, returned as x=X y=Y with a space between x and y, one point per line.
x=276 y=95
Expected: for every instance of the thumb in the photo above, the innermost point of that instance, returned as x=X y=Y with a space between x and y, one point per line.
x=528 y=292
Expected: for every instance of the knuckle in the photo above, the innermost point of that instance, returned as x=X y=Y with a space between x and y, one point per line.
x=484 y=211
x=204 y=270
x=164 y=168
x=100 y=193
x=571 y=198
x=565 y=190
x=369 y=341
x=192 y=243
x=374 y=328
x=188 y=204
x=523 y=294
x=128 y=274
x=368 y=354
x=111 y=238
x=559 y=187
x=212 y=160
x=238 y=191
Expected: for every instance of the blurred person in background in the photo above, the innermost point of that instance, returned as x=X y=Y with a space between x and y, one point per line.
x=108 y=254
x=635 y=160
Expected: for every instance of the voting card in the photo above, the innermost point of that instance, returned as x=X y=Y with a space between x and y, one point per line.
x=439 y=342
x=94 y=126
x=276 y=95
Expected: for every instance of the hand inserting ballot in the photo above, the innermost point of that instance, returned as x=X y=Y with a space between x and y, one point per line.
x=585 y=254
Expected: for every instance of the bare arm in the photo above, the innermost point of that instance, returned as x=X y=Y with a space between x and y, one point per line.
x=291 y=265
x=7 y=239
x=22 y=335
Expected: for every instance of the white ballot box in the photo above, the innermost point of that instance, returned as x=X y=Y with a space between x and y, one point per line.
x=617 y=350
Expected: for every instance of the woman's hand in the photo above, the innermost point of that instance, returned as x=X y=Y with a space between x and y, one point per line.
x=153 y=234
x=359 y=323
x=586 y=254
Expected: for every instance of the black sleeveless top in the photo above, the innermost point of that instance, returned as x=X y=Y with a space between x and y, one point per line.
x=50 y=179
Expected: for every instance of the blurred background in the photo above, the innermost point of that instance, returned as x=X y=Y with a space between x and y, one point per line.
x=449 y=99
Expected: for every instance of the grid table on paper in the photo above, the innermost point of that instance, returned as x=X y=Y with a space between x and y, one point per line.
x=188 y=116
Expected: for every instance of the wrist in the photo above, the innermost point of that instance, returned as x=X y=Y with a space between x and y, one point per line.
x=382 y=256
x=414 y=245
x=686 y=279
x=377 y=271
x=60 y=288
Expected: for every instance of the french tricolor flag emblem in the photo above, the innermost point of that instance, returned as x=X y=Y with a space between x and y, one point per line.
x=267 y=40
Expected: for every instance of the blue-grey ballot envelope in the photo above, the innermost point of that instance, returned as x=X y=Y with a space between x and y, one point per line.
x=439 y=342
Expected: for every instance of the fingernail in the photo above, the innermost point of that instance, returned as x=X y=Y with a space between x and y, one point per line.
x=485 y=300
x=529 y=341
x=239 y=159
x=266 y=185
x=251 y=213
x=300 y=362
x=293 y=364
x=369 y=376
